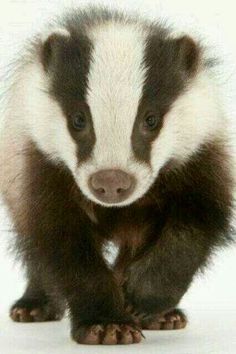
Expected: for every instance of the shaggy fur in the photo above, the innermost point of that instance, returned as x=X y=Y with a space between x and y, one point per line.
x=116 y=71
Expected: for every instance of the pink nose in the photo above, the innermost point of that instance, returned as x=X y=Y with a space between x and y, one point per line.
x=111 y=186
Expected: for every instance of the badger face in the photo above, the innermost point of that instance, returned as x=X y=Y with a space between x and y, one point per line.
x=123 y=100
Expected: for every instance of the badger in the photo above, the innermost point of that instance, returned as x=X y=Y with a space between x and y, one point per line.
x=114 y=132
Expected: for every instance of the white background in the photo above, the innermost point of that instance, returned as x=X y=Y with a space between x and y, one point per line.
x=211 y=301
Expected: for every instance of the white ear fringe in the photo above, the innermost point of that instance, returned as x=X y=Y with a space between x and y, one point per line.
x=60 y=31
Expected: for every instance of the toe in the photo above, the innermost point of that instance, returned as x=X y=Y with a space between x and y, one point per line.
x=111 y=335
x=180 y=324
x=38 y=315
x=20 y=315
x=137 y=336
x=126 y=335
x=88 y=335
x=93 y=335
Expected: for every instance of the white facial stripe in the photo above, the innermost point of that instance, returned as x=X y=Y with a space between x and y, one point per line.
x=195 y=118
x=116 y=78
x=41 y=116
x=115 y=82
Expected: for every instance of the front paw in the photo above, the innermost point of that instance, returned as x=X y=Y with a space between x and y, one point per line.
x=110 y=334
x=35 y=310
x=170 y=320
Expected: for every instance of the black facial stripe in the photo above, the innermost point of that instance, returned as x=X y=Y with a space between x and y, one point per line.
x=68 y=72
x=170 y=64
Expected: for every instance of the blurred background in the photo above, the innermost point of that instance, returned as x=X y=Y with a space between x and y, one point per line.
x=211 y=301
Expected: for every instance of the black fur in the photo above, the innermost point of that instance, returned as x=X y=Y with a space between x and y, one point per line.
x=164 y=238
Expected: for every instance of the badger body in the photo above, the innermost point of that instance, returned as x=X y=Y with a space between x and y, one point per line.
x=114 y=131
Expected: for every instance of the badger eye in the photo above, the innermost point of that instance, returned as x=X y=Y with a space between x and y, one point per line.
x=151 y=122
x=79 y=121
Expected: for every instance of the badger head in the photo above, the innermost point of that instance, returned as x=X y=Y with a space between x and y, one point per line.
x=115 y=102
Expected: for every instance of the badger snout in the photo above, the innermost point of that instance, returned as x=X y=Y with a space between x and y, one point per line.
x=111 y=186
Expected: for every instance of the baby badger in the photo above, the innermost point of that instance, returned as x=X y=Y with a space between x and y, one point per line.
x=114 y=133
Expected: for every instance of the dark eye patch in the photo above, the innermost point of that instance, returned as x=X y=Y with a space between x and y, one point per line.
x=145 y=130
x=67 y=61
x=171 y=64
x=80 y=125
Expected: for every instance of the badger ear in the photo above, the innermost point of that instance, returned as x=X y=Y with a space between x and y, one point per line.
x=52 y=45
x=187 y=54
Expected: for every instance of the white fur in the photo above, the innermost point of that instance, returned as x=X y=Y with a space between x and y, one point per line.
x=48 y=32
x=33 y=113
x=110 y=252
x=195 y=118
x=115 y=83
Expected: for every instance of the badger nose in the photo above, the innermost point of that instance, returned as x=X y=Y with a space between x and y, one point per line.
x=111 y=186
